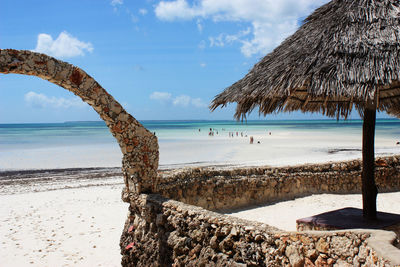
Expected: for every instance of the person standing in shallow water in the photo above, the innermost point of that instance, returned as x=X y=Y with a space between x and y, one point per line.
x=251 y=139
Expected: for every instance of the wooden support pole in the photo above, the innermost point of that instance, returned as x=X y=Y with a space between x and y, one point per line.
x=369 y=189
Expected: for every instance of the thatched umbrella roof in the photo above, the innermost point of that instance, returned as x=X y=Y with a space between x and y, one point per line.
x=345 y=52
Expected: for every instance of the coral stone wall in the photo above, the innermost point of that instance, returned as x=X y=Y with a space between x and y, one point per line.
x=163 y=232
x=139 y=146
x=216 y=189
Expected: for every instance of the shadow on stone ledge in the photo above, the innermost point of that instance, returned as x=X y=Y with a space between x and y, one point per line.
x=350 y=218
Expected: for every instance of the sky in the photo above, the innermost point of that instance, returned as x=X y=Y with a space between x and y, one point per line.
x=162 y=60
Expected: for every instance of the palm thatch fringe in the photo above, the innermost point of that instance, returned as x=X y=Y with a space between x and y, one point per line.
x=346 y=52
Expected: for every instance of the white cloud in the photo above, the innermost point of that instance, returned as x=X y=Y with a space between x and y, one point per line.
x=203 y=65
x=217 y=41
x=179 y=101
x=199 y=26
x=143 y=11
x=222 y=39
x=42 y=101
x=65 y=46
x=117 y=2
x=161 y=96
x=182 y=100
x=175 y=9
x=198 y=102
x=271 y=21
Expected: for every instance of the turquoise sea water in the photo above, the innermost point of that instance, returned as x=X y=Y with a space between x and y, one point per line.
x=78 y=133
x=90 y=144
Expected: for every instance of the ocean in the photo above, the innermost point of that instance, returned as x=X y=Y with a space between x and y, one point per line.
x=189 y=143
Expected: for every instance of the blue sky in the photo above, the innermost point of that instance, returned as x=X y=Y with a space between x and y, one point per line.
x=159 y=59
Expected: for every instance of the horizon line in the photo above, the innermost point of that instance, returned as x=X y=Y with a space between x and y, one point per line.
x=198 y=120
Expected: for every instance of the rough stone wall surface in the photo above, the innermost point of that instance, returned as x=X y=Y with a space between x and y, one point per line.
x=164 y=232
x=309 y=227
x=139 y=146
x=217 y=189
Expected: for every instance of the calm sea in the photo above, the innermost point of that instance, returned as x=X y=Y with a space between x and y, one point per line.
x=60 y=145
x=77 y=133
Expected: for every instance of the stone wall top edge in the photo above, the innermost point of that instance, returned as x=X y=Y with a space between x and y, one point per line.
x=220 y=219
x=193 y=178
x=169 y=176
x=201 y=213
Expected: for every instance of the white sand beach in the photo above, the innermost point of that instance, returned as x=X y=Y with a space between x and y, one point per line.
x=65 y=227
x=82 y=226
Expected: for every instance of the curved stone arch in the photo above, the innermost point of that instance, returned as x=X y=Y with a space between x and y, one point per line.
x=138 y=145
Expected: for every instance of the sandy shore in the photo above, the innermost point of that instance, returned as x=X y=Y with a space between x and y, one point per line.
x=65 y=227
x=61 y=217
x=75 y=217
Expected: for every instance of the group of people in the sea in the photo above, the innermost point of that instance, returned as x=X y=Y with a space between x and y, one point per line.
x=232 y=134
x=213 y=132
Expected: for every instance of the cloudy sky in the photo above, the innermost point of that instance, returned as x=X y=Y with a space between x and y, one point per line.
x=159 y=59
